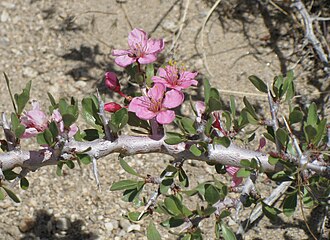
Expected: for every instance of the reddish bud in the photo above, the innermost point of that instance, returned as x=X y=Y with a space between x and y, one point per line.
x=111 y=81
x=112 y=107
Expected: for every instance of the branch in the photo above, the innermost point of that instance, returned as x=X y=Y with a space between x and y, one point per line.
x=309 y=32
x=131 y=145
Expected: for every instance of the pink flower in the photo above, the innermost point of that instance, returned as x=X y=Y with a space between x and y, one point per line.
x=112 y=107
x=156 y=104
x=232 y=171
x=57 y=117
x=142 y=49
x=175 y=78
x=35 y=121
x=111 y=81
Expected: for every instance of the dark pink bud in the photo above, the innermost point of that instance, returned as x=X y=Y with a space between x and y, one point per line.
x=111 y=81
x=112 y=107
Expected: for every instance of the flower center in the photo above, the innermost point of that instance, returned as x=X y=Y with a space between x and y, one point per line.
x=155 y=106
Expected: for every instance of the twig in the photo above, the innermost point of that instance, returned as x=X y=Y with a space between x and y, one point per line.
x=108 y=135
x=182 y=21
x=10 y=137
x=95 y=172
x=202 y=36
x=309 y=33
x=273 y=110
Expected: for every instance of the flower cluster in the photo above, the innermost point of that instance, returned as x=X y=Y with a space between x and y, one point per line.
x=36 y=121
x=168 y=83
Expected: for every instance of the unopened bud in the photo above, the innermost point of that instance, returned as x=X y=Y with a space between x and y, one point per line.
x=111 y=81
x=112 y=107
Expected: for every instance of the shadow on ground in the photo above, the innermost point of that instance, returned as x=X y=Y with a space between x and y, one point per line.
x=46 y=227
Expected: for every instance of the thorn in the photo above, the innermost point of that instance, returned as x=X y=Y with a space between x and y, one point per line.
x=96 y=173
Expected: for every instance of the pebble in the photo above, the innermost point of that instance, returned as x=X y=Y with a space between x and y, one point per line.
x=134 y=227
x=109 y=226
x=29 y=72
x=26 y=224
x=124 y=224
x=8 y=5
x=4 y=16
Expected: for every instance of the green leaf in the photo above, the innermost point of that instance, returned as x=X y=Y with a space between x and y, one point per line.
x=183 y=178
x=212 y=194
x=119 y=119
x=11 y=194
x=188 y=125
x=243 y=173
x=207 y=89
x=282 y=136
x=172 y=222
x=152 y=232
x=250 y=108
x=124 y=184
x=214 y=105
x=270 y=211
x=70 y=164
x=258 y=83
x=290 y=204
x=245 y=163
x=10 y=93
x=173 y=138
x=134 y=121
x=281 y=176
x=52 y=100
x=127 y=168
x=195 y=150
x=133 y=216
x=19 y=131
x=131 y=195
x=84 y=158
x=227 y=233
x=295 y=116
x=48 y=137
x=214 y=93
x=10 y=175
x=321 y=129
x=227 y=116
x=23 y=98
x=165 y=185
x=312 y=117
x=59 y=168
x=273 y=160
x=310 y=132
x=173 y=205
x=90 y=111
x=150 y=72
x=68 y=119
x=24 y=183
x=53 y=129
x=224 y=141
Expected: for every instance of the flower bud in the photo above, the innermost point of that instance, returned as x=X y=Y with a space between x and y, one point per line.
x=112 y=107
x=111 y=81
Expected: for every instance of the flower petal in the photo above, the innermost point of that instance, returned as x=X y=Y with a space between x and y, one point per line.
x=173 y=99
x=157 y=91
x=155 y=46
x=165 y=117
x=124 y=60
x=148 y=58
x=157 y=79
x=140 y=105
x=120 y=52
x=137 y=37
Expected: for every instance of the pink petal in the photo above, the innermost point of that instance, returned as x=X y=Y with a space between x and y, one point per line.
x=165 y=117
x=162 y=72
x=157 y=79
x=124 y=60
x=137 y=36
x=173 y=99
x=111 y=81
x=200 y=108
x=139 y=104
x=188 y=83
x=73 y=130
x=29 y=132
x=231 y=170
x=120 y=52
x=148 y=58
x=157 y=91
x=155 y=46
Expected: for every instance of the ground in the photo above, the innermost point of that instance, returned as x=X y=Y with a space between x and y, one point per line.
x=64 y=47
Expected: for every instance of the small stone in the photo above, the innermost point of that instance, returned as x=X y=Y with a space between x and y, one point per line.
x=169 y=25
x=108 y=226
x=134 y=227
x=4 y=16
x=26 y=224
x=124 y=224
x=29 y=72
x=63 y=224
x=8 y=5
